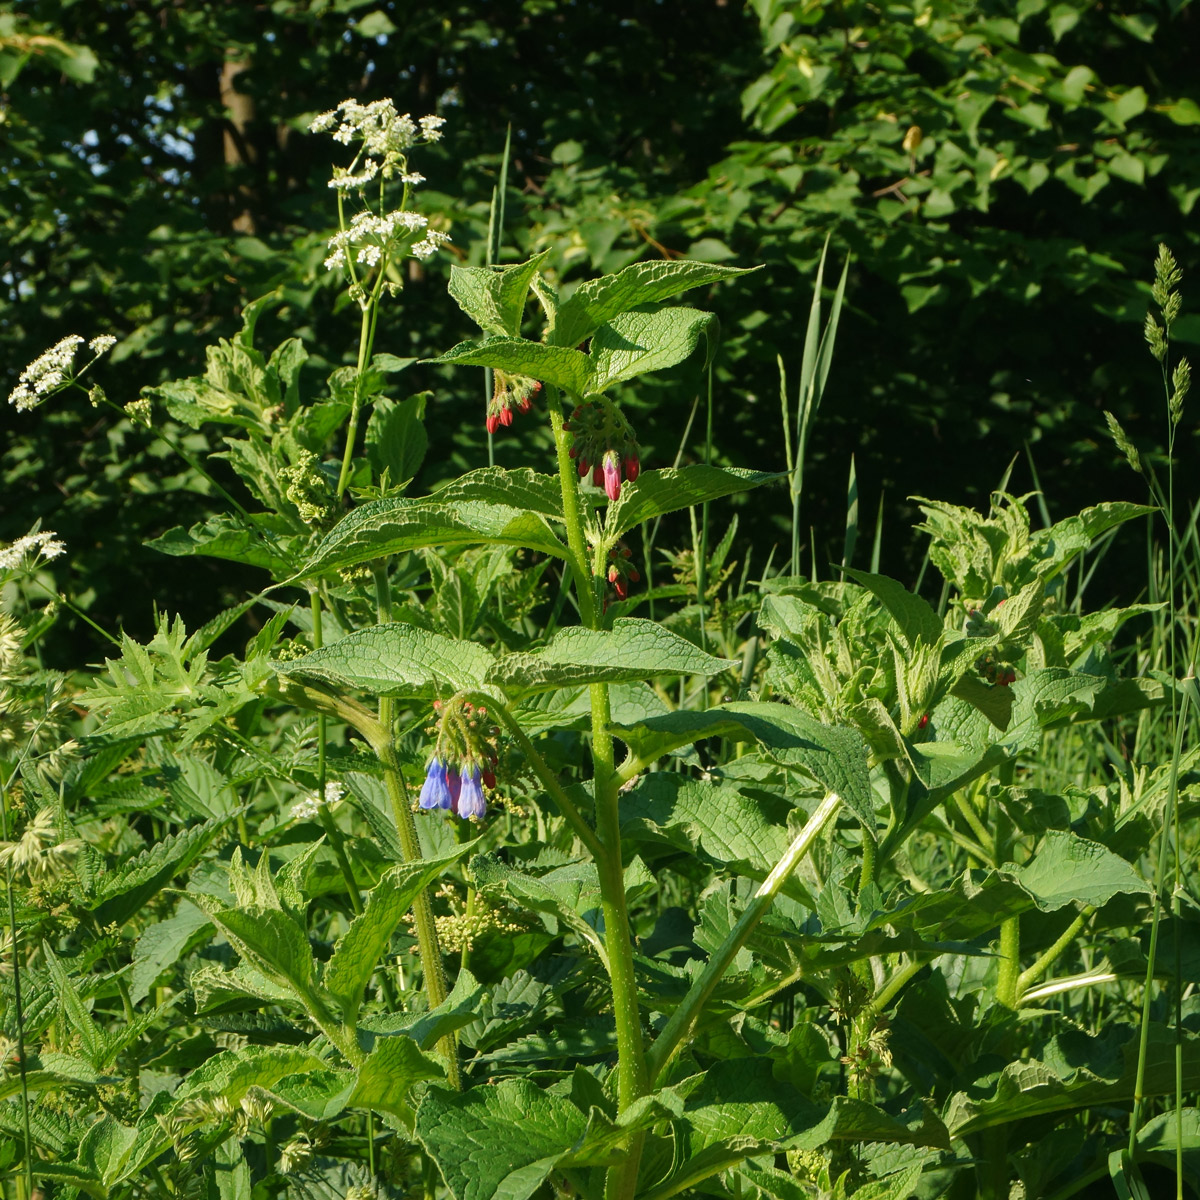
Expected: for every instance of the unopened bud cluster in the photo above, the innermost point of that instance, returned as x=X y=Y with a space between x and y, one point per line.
x=621 y=571
x=602 y=444
x=510 y=392
x=463 y=761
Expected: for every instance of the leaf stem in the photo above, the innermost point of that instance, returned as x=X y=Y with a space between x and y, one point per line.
x=1048 y=957
x=684 y=1018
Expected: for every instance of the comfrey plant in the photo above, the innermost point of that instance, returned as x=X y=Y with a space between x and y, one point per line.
x=465 y=880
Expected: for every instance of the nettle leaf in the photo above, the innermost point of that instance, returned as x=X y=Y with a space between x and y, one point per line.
x=263 y=540
x=317 y=1095
x=636 y=343
x=92 y=1039
x=391 y=1069
x=395 y=660
x=598 y=301
x=163 y=944
x=672 y=488
x=557 y=365
x=834 y=755
x=494 y=297
x=632 y=650
x=360 y=948
x=718 y=822
x=1065 y=539
x=914 y=617
x=386 y=527
x=123 y=892
x=232 y=1073
x=497 y=1143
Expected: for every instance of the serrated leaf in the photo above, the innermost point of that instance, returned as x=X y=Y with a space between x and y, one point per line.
x=672 y=488
x=91 y=1037
x=632 y=650
x=636 y=343
x=163 y=944
x=497 y=1143
x=556 y=365
x=598 y=301
x=317 y=1095
x=494 y=298
x=386 y=527
x=834 y=755
x=1069 y=869
x=390 y=1071
x=395 y=660
x=233 y=1073
x=360 y=948
x=125 y=891
x=266 y=543
x=396 y=440
x=914 y=617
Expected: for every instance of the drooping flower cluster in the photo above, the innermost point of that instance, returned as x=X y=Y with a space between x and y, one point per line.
x=54 y=370
x=462 y=763
x=603 y=444
x=621 y=571
x=509 y=392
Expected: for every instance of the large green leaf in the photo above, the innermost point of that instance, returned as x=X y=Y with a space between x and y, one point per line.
x=719 y=822
x=1076 y=1071
x=262 y=541
x=633 y=649
x=394 y=660
x=834 y=755
x=126 y=890
x=391 y=1069
x=520 y=488
x=557 y=365
x=598 y=301
x=914 y=617
x=233 y=1073
x=1069 y=869
x=497 y=1143
x=672 y=488
x=386 y=527
x=494 y=297
x=360 y=948
x=636 y=343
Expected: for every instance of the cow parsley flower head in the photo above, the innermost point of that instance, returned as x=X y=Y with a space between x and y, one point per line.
x=54 y=370
x=385 y=135
x=310 y=807
x=39 y=545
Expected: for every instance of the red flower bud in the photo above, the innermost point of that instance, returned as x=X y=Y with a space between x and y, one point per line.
x=584 y=466
x=489 y=780
x=537 y=386
x=598 y=476
x=633 y=468
x=923 y=721
x=634 y=576
x=493 y=423
x=573 y=451
x=524 y=404
x=506 y=416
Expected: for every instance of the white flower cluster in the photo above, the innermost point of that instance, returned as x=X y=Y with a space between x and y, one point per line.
x=43 y=544
x=311 y=805
x=368 y=237
x=52 y=371
x=385 y=135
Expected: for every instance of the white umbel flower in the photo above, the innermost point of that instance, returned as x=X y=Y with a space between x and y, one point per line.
x=55 y=369
x=41 y=545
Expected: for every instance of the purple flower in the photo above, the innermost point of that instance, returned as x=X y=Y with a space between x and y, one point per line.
x=435 y=791
x=470 y=800
x=454 y=780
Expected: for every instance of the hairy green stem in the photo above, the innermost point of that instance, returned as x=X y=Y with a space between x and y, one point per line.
x=1007 y=986
x=572 y=514
x=683 y=1019
x=406 y=829
x=1049 y=957
x=891 y=988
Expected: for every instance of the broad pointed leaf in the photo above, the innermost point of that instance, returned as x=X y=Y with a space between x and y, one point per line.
x=636 y=343
x=557 y=365
x=672 y=488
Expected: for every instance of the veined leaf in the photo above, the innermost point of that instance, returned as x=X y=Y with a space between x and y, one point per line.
x=395 y=660
x=125 y=891
x=636 y=343
x=1067 y=869
x=521 y=488
x=317 y=1095
x=494 y=298
x=633 y=649
x=91 y=1037
x=557 y=365
x=233 y=1073
x=390 y=1071
x=497 y=1143
x=266 y=542
x=914 y=617
x=834 y=755
x=598 y=301
x=386 y=527
x=360 y=948
x=672 y=488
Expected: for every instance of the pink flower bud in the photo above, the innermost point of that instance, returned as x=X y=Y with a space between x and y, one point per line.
x=612 y=475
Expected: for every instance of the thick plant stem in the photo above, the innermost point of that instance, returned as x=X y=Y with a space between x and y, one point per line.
x=632 y=1079
x=1007 y=986
x=427 y=938
x=1048 y=958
